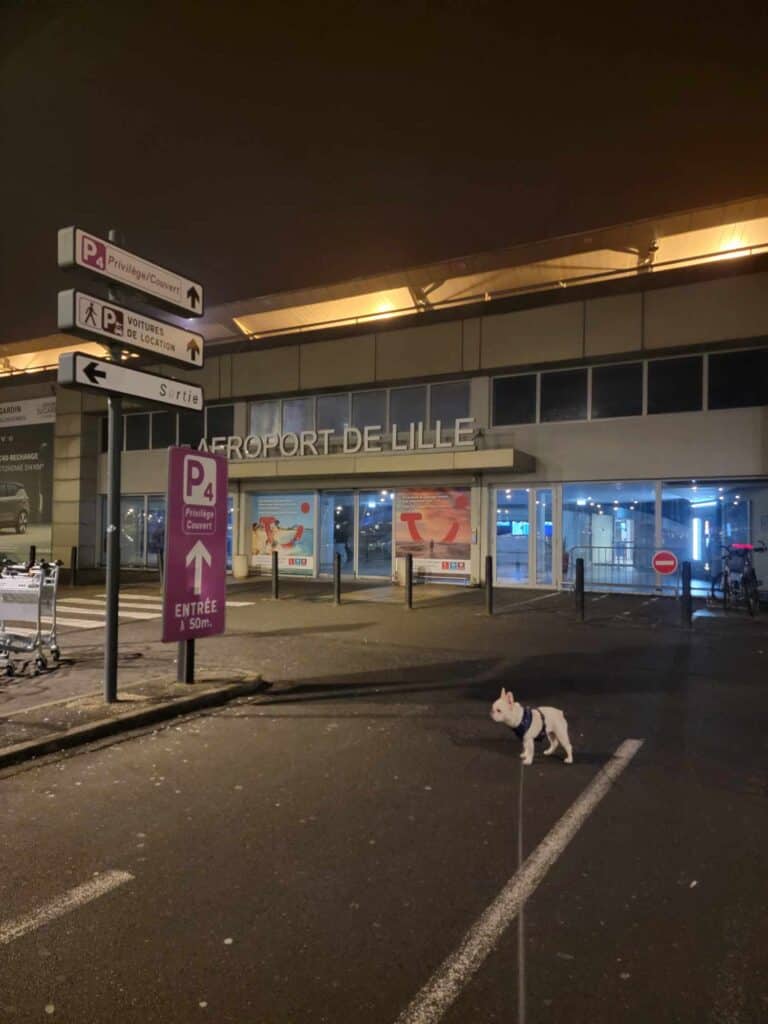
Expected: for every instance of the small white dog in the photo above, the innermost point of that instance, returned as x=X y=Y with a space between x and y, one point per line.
x=533 y=724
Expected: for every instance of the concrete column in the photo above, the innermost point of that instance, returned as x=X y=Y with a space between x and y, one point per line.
x=75 y=451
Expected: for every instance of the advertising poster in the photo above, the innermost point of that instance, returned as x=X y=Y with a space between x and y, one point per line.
x=434 y=525
x=284 y=523
x=26 y=475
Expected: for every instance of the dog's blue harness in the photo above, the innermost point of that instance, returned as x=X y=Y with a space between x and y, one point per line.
x=525 y=724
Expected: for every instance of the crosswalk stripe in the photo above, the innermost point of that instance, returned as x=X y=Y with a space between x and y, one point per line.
x=99 y=606
x=122 y=612
x=135 y=597
x=240 y=604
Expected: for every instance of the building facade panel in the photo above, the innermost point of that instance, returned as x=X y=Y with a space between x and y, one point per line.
x=543 y=334
x=419 y=351
x=711 y=311
x=338 y=363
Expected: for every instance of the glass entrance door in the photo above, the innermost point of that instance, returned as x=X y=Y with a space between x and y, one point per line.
x=337 y=531
x=374 y=533
x=524 y=536
x=513 y=527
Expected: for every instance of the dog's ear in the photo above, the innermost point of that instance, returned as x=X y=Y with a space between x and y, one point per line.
x=503 y=692
x=510 y=698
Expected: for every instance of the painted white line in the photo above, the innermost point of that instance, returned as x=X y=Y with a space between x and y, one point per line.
x=71 y=602
x=122 y=612
x=240 y=604
x=454 y=973
x=77 y=897
x=532 y=600
x=601 y=598
x=135 y=597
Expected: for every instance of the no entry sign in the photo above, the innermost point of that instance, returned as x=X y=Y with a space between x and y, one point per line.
x=664 y=562
x=194 y=590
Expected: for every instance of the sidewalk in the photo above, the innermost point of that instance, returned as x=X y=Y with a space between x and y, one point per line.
x=305 y=647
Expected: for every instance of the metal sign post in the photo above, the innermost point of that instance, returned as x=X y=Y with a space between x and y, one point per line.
x=119 y=328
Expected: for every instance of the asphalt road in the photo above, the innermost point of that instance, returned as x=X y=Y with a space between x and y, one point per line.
x=315 y=857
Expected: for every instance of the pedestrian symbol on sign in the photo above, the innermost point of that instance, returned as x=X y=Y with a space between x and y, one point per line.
x=90 y=314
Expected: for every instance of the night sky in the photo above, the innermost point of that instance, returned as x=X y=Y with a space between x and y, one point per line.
x=262 y=147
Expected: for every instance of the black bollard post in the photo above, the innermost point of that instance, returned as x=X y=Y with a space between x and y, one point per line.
x=686 y=600
x=409 y=581
x=275 y=577
x=578 y=588
x=73 y=566
x=185 y=662
x=32 y=554
x=337 y=579
x=161 y=565
x=489 y=584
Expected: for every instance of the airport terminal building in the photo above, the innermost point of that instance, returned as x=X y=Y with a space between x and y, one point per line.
x=600 y=396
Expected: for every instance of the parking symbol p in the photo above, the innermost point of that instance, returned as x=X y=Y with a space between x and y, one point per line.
x=199 y=480
x=112 y=321
x=93 y=253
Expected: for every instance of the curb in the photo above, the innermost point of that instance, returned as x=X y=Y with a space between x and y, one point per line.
x=83 y=734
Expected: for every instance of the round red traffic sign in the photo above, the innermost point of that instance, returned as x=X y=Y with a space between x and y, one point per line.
x=664 y=562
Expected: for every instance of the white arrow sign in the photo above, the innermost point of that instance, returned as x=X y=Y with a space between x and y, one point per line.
x=78 y=248
x=77 y=370
x=91 y=317
x=196 y=555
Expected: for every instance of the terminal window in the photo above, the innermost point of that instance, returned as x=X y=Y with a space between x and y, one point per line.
x=563 y=395
x=738 y=379
x=675 y=385
x=514 y=400
x=448 y=402
x=617 y=390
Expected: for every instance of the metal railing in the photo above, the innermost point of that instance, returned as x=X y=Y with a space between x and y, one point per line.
x=626 y=567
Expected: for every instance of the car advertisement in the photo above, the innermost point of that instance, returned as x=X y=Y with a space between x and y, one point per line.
x=434 y=525
x=26 y=475
x=284 y=523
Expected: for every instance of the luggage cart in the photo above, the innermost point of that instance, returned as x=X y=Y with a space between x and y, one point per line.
x=28 y=595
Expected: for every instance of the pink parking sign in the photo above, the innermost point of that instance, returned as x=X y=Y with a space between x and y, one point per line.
x=194 y=590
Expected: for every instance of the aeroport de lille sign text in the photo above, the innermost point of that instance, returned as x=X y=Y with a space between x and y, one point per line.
x=353 y=441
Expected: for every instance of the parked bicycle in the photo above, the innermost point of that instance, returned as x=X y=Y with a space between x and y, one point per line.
x=738 y=580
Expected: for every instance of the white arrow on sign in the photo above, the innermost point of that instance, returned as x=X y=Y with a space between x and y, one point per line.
x=196 y=555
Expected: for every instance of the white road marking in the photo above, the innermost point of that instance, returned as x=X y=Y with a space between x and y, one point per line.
x=240 y=604
x=454 y=973
x=602 y=597
x=77 y=897
x=532 y=600
x=101 y=605
x=122 y=612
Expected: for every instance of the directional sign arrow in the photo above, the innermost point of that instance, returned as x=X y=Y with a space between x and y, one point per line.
x=194 y=297
x=78 y=370
x=196 y=555
x=93 y=373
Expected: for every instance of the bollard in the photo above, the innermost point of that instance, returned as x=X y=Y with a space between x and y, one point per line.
x=337 y=579
x=275 y=577
x=489 y=584
x=686 y=600
x=32 y=554
x=73 y=566
x=161 y=564
x=578 y=589
x=409 y=581
x=185 y=662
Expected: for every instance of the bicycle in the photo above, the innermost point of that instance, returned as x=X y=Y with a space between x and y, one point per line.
x=738 y=580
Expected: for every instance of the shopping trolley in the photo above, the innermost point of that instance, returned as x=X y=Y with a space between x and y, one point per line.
x=28 y=614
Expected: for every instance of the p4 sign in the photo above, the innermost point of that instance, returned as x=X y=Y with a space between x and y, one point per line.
x=194 y=589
